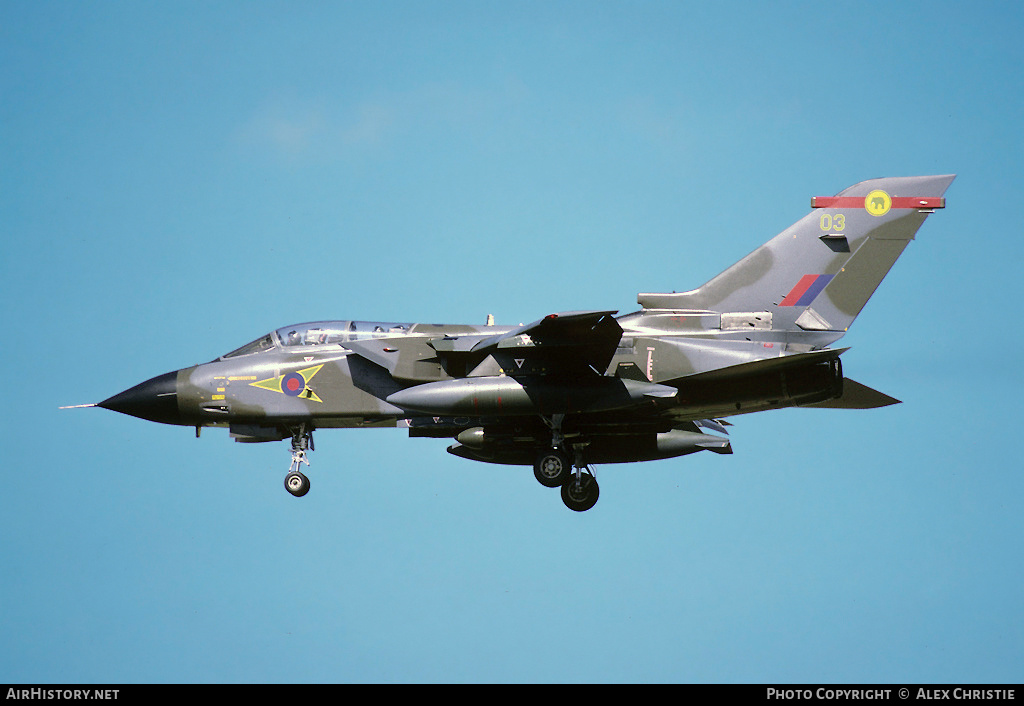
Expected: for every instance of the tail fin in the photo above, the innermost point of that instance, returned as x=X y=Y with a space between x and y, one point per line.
x=819 y=273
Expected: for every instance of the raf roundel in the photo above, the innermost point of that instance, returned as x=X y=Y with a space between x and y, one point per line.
x=293 y=384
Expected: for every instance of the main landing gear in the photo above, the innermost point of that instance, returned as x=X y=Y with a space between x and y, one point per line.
x=295 y=482
x=579 y=486
x=580 y=492
x=553 y=469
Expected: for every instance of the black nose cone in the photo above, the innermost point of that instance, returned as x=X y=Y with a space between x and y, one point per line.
x=155 y=400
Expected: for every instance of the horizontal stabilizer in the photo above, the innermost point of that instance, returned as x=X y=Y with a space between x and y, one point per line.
x=779 y=363
x=857 y=396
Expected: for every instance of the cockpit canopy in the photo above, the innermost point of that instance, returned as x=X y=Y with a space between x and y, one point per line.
x=321 y=333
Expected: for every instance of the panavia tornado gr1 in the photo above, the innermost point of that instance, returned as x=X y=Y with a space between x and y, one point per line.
x=580 y=388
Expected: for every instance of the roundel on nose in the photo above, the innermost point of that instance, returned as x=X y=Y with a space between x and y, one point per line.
x=293 y=384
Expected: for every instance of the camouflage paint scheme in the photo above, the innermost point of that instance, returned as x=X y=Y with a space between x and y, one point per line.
x=577 y=388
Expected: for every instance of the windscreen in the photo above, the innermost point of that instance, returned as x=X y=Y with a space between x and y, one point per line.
x=264 y=343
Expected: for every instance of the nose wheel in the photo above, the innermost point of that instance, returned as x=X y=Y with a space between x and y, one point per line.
x=295 y=482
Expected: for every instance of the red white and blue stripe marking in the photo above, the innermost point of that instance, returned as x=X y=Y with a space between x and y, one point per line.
x=806 y=290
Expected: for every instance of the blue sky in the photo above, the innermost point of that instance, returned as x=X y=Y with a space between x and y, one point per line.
x=177 y=179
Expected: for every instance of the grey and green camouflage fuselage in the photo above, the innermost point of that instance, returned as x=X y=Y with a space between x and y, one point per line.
x=577 y=388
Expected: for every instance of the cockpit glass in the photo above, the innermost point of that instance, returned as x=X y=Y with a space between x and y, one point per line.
x=325 y=333
x=264 y=343
x=358 y=330
x=321 y=334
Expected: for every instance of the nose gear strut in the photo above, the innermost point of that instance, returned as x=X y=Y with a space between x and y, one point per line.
x=295 y=482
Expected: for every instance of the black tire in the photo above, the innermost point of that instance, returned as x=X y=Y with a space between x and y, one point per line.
x=552 y=468
x=581 y=496
x=296 y=484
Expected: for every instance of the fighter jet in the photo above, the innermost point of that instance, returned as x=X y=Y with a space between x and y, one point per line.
x=581 y=388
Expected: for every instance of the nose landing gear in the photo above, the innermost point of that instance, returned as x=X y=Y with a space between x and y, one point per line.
x=295 y=482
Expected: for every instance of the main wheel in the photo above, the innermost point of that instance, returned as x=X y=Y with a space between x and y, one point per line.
x=296 y=484
x=580 y=495
x=552 y=468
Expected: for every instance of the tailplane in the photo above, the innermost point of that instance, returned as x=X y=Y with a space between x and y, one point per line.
x=819 y=273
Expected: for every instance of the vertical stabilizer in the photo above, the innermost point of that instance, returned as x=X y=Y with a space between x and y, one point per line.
x=819 y=273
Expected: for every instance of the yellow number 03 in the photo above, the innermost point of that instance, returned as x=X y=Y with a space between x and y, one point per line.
x=830 y=222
